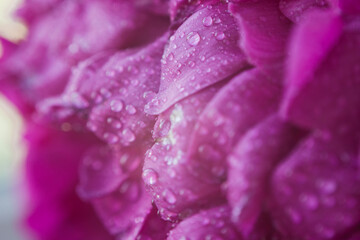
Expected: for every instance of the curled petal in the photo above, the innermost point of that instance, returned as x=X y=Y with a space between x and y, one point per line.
x=324 y=64
x=242 y=103
x=212 y=223
x=201 y=52
x=310 y=191
x=250 y=166
x=263 y=30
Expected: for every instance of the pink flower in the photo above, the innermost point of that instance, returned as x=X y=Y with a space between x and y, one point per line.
x=234 y=121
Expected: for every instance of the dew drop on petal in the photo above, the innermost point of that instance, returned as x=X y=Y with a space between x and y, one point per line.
x=207 y=21
x=169 y=196
x=128 y=135
x=150 y=176
x=193 y=38
x=116 y=105
x=220 y=36
x=131 y=109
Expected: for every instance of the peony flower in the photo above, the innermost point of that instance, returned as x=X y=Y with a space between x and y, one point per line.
x=191 y=120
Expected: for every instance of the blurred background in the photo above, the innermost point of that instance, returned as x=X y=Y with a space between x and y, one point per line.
x=12 y=149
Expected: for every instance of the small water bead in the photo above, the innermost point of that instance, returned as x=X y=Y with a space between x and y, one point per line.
x=207 y=21
x=111 y=138
x=193 y=38
x=328 y=186
x=116 y=105
x=169 y=196
x=220 y=36
x=106 y=93
x=128 y=135
x=191 y=63
x=131 y=109
x=150 y=176
x=171 y=57
x=114 y=123
x=310 y=201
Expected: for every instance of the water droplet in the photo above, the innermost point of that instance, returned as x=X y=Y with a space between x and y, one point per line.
x=164 y=128
x=111 y=138
x=131 y=109
x=309 y=201
x=193 y=38
x=172 y=173
x=169 y=196
x=220 y=36
x=150 y=176
x=135 y=82
x=207 y=21
x=114 y=123
x=128 y=135
x=191 y=63
x=328 y=186
x=171 y=57
x=116 y=105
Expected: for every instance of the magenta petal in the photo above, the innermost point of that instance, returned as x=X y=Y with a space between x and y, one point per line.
x=350 y=6
x=116 y=94
x=250 y=166
x=323 y=72
x=100 y=173
x=124 y=210
x=315 y=191
x=294 y=9
x=212 y=223
x=167 y=171
x=242 y=103
x=154 y=227
x=263 y=30
x=201 y=52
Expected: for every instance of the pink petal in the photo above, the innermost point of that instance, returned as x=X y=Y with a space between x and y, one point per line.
x=167 y=171
x=311 y=194
x=350 y=6
x=294 y=9
x=212 y=223
x=250 y=166
x=154 y=227
x=242 y=103
x=116 y=94
x=201 y=52
x=263 y=30
x=100 y=173
x=124 y=210
x=322 y=73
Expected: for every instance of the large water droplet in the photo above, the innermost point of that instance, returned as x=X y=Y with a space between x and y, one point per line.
x=193 y=38
x=207 y=21
x=116 y=105
x=150 y=176
x=169 y=196
x=309 y=201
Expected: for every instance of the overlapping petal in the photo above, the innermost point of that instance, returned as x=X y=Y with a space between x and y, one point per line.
x=250 y=166
x=201 y=52
x=264 y=31
x=294 y=9
x=246 y=100
x=313 y=190
x=326 y=65
x=212 y=223
x=167 y=171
